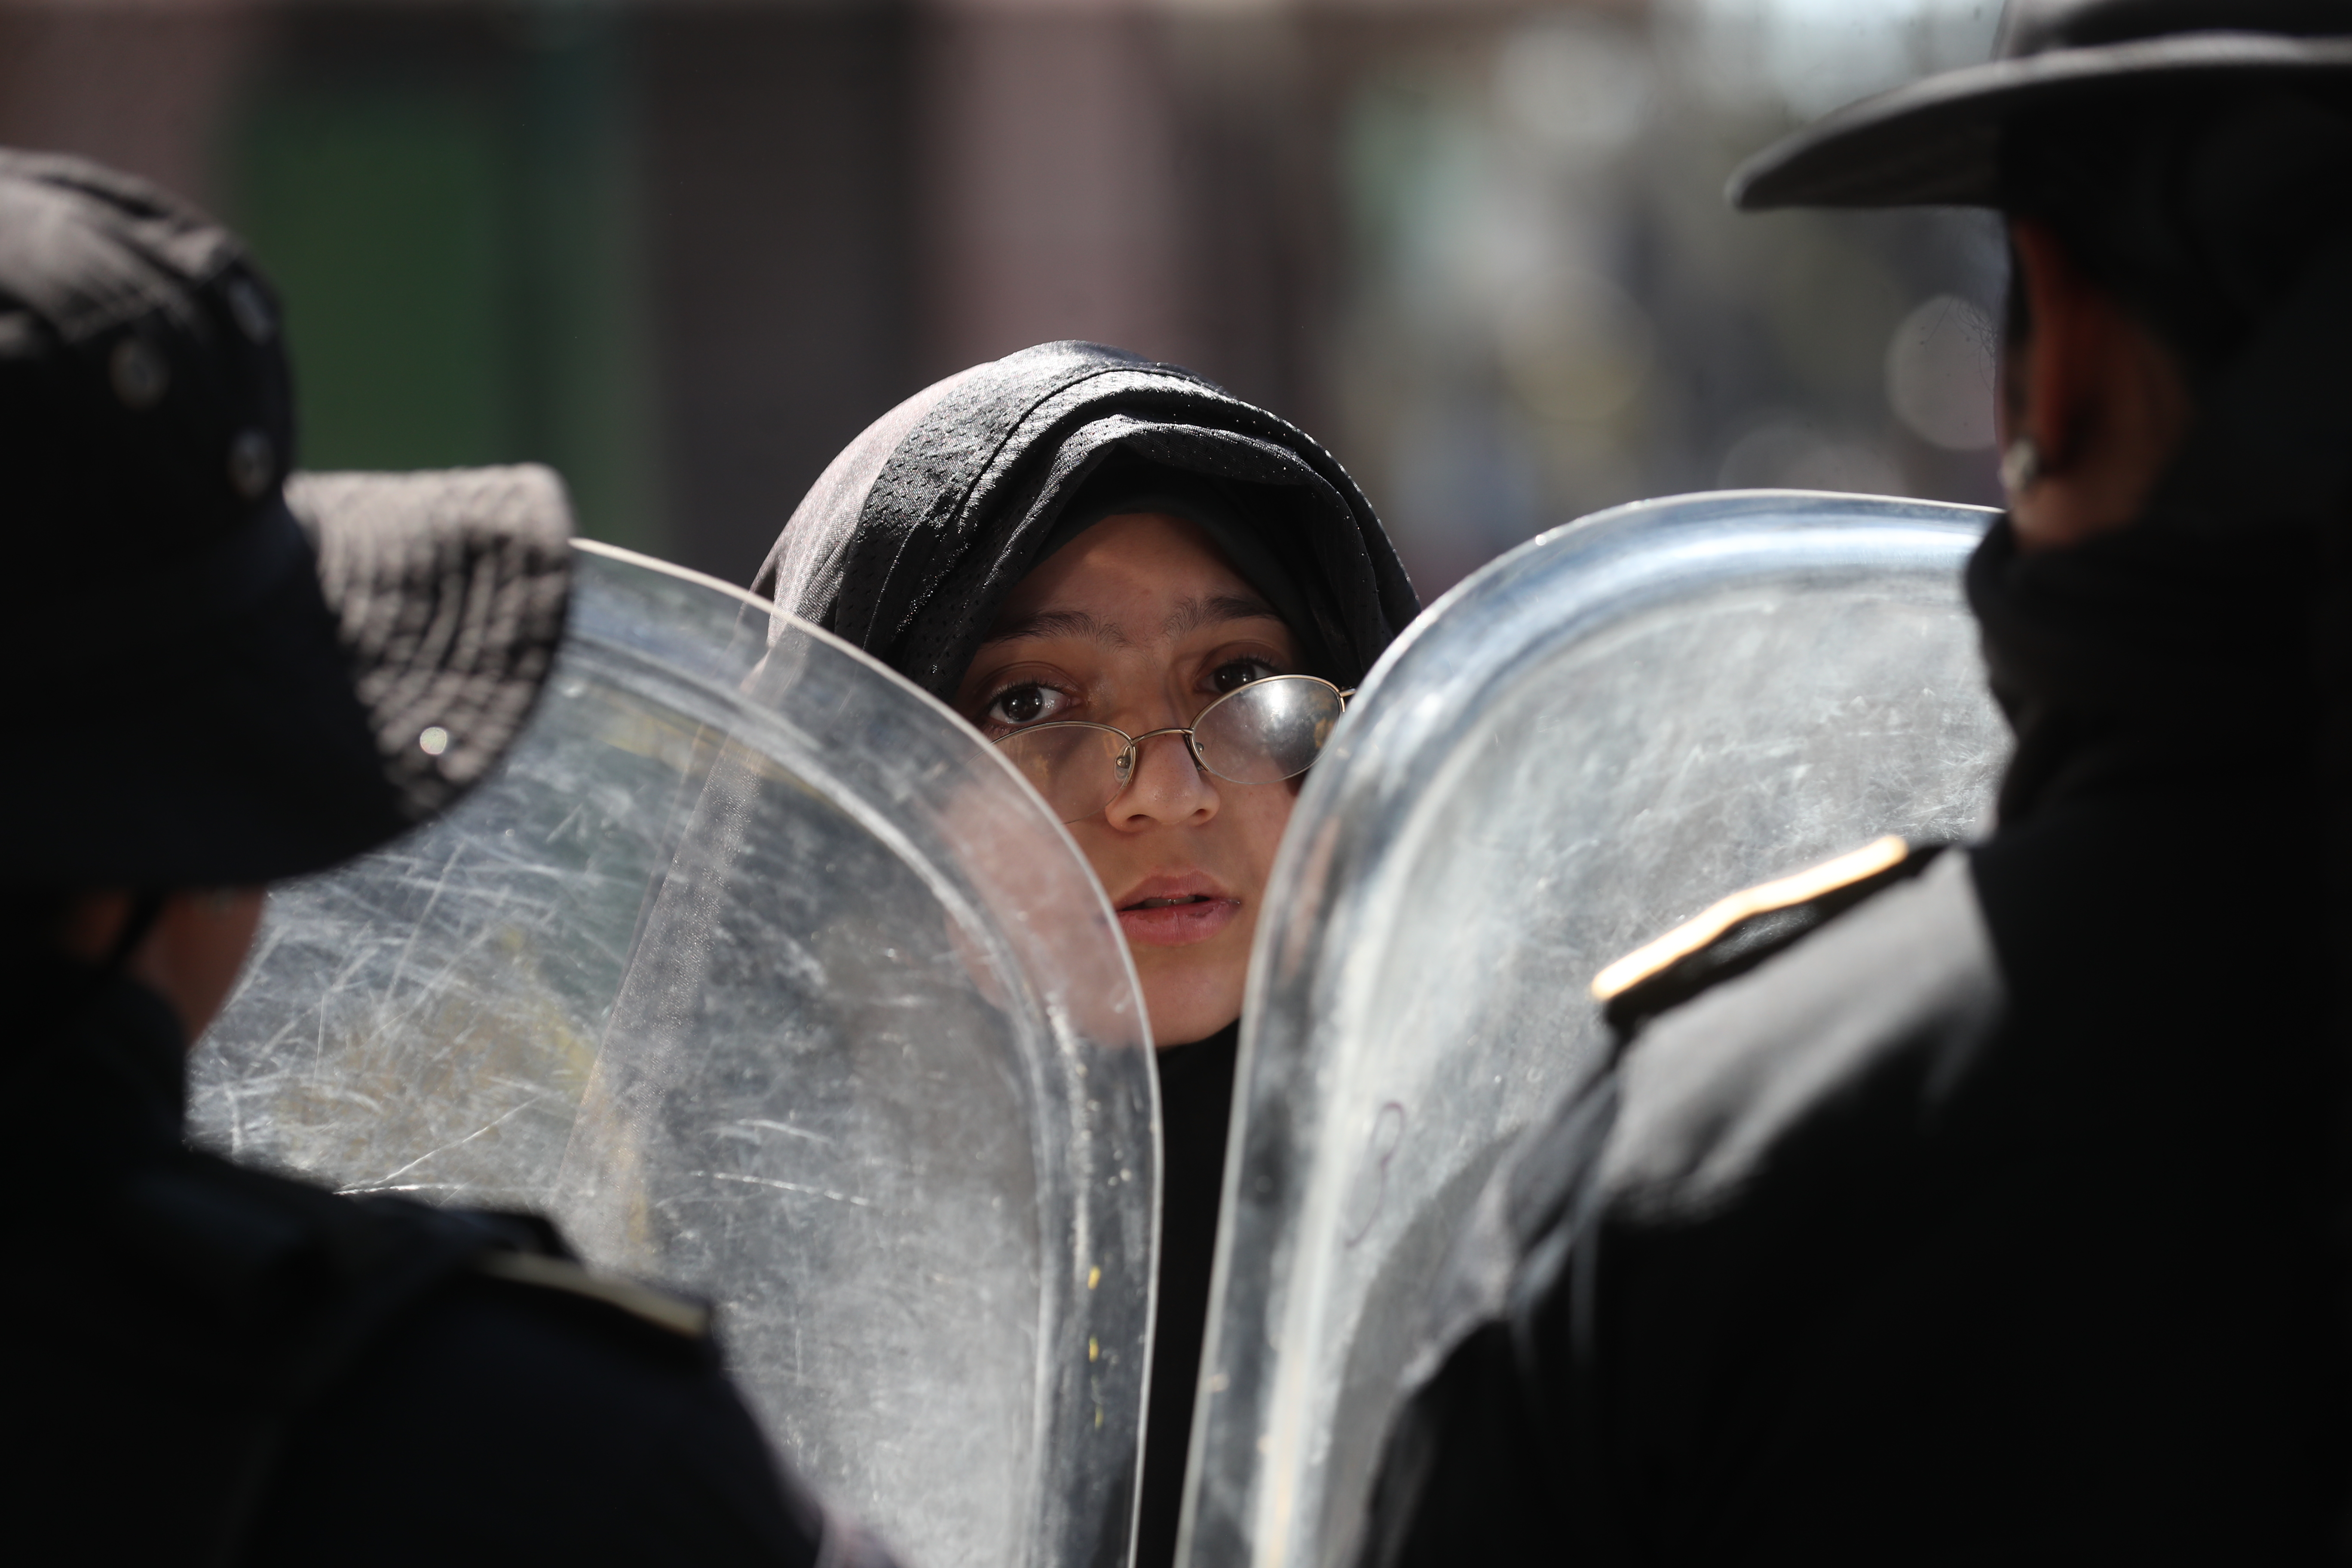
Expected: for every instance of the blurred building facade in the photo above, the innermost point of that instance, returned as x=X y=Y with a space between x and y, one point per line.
x=684 y=249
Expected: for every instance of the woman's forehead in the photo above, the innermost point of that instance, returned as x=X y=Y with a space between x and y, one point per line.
x=1133 y=577
x=1182 y=618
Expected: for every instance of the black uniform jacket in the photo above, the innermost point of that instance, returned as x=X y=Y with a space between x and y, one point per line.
x=208 y=1364
x=1982 y=1224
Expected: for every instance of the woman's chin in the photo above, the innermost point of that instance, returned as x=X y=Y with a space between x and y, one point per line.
x=1193 y=989
x=1175 y=1039
x=1185 y=1008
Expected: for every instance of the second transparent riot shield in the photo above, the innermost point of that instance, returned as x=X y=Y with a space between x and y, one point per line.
x=1588 y=742
x=767 y=978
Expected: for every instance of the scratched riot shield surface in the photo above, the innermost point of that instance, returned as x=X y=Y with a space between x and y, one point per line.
x=1583 y=745
x=771 y=981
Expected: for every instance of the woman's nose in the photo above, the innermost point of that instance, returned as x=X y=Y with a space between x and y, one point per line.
x=1166 y=787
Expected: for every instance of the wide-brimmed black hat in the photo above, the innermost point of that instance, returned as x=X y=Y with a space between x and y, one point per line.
x=222 y=673
x=1938 y=142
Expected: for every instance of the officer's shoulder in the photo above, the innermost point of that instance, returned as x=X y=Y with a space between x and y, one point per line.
x=524 y=1259
x=566 y=1279
x=1696 y=1058
x=1736 y=934
x=1871 y=1022
x=232 y=1235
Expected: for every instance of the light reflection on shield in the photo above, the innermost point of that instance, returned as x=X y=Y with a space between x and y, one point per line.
x=769 y=979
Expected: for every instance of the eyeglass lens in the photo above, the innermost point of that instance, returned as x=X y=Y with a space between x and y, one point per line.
x=1267 y=731
x=1075 y=766
x=1264 y=733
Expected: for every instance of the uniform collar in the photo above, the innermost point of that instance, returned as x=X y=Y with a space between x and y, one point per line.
x=2148 y=656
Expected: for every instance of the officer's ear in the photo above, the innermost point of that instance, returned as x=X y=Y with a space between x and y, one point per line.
x=2051 y=364
x=186 y=945
x=195 y=952
x=2100 y=396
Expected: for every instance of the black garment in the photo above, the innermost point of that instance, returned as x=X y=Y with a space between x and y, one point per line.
x=917 y=530
x=1984 y=1225
x=210 y=1365
x=1196 y=1099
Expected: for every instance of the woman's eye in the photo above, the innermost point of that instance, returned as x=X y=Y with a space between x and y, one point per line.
x=1234 y=674
x=1024 y=705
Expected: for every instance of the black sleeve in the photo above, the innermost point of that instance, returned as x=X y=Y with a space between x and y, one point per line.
x=1492 y=1458
x=505 y=1425
x=1462 y=1479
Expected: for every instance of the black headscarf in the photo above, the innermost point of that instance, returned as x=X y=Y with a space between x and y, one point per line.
x=909 y=541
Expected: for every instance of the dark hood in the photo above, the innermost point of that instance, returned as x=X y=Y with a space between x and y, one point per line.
x=909 y=541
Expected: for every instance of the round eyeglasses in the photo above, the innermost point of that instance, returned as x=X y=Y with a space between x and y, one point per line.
x=1264 y=733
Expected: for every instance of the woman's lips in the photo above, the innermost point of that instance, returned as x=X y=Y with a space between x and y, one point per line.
x=1175 y=911
x=1164 y=924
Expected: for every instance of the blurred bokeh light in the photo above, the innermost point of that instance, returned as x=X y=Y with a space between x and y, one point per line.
x=683 y=249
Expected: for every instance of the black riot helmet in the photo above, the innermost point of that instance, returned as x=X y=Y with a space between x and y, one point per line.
x=224 y=672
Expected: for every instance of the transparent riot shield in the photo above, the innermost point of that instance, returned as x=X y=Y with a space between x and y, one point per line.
x=767 y=979
x=1585 y=744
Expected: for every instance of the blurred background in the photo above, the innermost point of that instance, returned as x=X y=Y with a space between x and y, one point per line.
x=684 y=249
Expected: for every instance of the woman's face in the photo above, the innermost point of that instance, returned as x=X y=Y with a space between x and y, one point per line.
x=1139 y=624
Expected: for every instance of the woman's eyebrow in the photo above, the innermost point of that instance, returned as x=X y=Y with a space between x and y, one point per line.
x=1191 y=615
x=1055 y=623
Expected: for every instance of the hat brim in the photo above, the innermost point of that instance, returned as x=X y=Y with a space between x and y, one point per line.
x=347 y=664
x=450 y=589
x=1936 y=142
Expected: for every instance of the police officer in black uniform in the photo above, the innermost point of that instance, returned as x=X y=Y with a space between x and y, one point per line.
x=1988 y=1205
x=220 y=675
